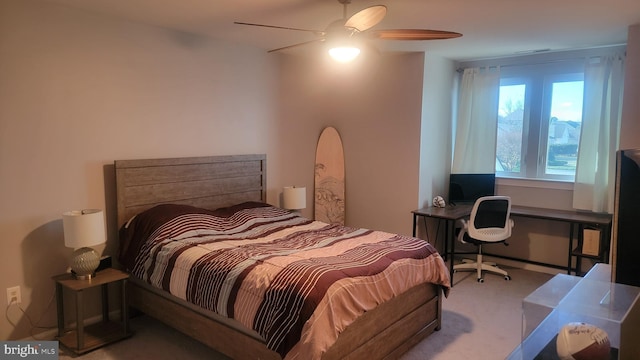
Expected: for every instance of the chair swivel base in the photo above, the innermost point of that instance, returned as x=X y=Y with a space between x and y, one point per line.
x=470 y=265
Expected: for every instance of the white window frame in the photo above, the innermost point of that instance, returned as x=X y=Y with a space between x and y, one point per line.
x=547 y=82
x=532 y=70
x=506 y=81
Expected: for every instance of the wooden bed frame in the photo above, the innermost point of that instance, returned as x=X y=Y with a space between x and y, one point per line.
x=212 y=182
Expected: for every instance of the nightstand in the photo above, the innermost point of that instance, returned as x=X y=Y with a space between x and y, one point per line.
x=86 y=338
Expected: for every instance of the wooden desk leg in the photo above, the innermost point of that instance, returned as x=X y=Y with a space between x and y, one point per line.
x=580 y=242
x=450 y=224
x=60 y=309
x=105 y=302
x=124 y=312
x=80 y=319
x=446 y=239
x=415 y=222
x=570 y=248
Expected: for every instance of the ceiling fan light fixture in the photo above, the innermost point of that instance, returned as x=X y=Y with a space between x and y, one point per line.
x=343 y=36
x=344 y=54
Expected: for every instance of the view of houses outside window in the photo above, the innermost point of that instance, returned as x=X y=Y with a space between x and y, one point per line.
x=548 y=126
x=510 y=128
x=564 y=128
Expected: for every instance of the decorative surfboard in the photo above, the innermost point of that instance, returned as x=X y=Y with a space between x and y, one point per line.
x=329 y=204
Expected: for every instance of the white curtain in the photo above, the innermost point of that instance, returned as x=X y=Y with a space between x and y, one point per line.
x=476 y=130
x=595 y=170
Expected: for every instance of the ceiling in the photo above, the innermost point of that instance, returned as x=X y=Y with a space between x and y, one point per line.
x=490 y=28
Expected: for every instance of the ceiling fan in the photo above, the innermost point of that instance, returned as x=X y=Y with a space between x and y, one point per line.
x=347 y=34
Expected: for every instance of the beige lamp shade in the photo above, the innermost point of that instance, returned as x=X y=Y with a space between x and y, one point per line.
x=294 y=198
x=82 y=229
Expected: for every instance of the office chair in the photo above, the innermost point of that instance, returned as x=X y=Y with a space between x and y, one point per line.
x=489 y=223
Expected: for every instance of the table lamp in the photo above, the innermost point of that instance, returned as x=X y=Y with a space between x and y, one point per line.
x=82 y=229
x=294 y=198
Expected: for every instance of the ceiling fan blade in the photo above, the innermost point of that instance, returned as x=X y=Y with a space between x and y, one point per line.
x=413 y=34
x=317 y=32
x=296 y=45
x=366 y=18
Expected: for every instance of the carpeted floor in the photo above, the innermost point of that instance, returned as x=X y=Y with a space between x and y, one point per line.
x=480 y=321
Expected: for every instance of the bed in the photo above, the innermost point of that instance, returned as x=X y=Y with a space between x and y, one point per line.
x=161 y=197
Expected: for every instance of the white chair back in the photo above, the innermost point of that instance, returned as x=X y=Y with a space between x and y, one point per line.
x=490 y=219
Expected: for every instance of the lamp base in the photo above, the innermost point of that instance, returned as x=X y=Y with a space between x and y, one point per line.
x=83 y=277
x=84 y=263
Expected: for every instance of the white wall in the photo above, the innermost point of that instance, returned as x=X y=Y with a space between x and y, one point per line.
x=78 y=91
x=375 y=104
x=435 y=139
x=629 y=138
x=533 y=239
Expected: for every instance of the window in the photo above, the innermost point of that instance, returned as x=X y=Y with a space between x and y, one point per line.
x=509 y=142
x=539 y=121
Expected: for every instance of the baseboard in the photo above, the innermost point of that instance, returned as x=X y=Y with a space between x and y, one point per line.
x=525 y=266
x=43 y=336
x=52 y=333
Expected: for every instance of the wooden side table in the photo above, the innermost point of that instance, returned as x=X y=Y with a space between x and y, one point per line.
x=83 y=339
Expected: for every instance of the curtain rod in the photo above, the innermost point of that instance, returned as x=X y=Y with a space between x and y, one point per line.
x=461 y=69
x=531 y=62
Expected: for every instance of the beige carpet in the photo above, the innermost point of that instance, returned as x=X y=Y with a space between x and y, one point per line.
x=480 y=321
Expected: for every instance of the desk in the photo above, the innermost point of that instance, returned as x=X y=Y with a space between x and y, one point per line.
x=450 y=214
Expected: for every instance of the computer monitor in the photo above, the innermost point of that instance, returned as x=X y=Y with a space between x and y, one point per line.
x=467 y=188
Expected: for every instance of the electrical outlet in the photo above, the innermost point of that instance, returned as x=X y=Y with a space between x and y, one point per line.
x=13 y=295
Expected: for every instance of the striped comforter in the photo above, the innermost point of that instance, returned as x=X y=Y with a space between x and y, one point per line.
x=274 y=271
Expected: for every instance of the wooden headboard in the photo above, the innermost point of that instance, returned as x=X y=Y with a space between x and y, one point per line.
x=209 y=182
